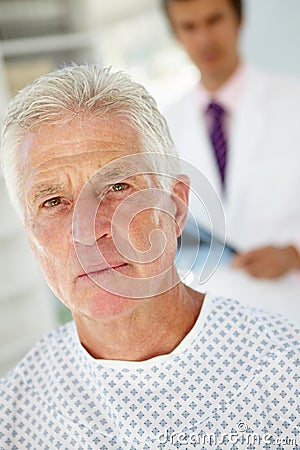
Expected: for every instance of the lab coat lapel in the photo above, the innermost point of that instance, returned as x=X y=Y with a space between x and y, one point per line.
x=245 y=135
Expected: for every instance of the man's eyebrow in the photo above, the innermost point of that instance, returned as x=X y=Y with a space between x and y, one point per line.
x=114 y=174
x=43 y=190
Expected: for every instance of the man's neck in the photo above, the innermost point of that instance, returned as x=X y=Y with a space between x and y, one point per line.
x=152 y=330
x=214 y=83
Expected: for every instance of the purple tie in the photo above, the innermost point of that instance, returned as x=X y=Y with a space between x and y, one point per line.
x=217 y=136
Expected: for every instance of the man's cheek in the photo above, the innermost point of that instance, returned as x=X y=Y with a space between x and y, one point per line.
x=45 y=245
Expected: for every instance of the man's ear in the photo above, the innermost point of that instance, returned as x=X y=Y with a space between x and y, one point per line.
x=180 y=197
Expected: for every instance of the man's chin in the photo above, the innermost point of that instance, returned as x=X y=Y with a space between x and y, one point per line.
x=103 y=305
x=112 y=291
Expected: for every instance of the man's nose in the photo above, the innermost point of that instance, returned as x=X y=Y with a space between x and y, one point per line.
x=202 y=36
x=90 y=221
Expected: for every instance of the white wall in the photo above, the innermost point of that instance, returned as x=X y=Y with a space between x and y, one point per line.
x=271 y=35
x=133 y=35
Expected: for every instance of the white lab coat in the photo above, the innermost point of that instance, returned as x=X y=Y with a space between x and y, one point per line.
x=263 y=172
x=261 y=203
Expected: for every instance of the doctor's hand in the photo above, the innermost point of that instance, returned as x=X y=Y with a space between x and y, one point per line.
x=268 y=262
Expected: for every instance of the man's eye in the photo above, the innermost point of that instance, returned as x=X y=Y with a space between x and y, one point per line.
x=119 y=187
x=188 y=26
x=52 y=202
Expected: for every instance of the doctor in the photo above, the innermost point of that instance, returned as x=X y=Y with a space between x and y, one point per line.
x=240 y=126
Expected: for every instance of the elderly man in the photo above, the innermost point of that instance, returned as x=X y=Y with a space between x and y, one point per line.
x=147 y=362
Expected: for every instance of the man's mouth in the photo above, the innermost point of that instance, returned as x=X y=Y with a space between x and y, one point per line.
x=209 y=56
x=101 y=270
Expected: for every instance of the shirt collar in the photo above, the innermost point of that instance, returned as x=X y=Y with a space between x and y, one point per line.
x=228 y=95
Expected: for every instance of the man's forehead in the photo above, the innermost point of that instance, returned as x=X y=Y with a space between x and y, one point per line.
x=112 y=138
x=196 y=9
x=137 y=170
x=86 y=123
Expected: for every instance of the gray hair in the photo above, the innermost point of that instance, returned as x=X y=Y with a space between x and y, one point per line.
x=60 y=96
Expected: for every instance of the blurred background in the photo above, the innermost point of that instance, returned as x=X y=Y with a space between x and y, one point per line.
x=39 y=35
